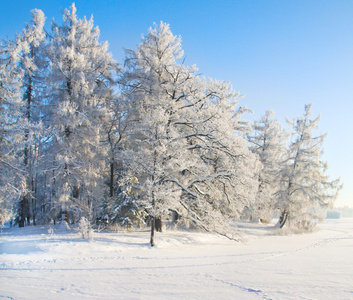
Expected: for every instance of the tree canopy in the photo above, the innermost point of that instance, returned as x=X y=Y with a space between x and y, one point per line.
x=147 y=142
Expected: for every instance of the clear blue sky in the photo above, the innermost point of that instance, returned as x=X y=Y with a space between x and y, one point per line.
x=280 y=54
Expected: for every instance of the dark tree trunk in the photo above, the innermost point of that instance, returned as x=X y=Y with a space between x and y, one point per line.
x=34 y=199
x=33 y=212
x=111 y=183
x=153 y=224
x=175 y=217
x=76 y=192
x=283 y=219
x=23 y=211
x=153 y=220
x=158 y=224
x=25 y=202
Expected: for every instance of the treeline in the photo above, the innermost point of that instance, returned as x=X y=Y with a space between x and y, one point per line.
x=83 y=136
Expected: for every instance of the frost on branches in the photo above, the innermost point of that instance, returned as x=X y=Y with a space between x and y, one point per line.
x=30 y=45
x=85 y=229
x=185 y=150
x=11 y=180
x=17 y=71
x=306 y=191
x=80 y=78
x=81 y=139
x=268 y=141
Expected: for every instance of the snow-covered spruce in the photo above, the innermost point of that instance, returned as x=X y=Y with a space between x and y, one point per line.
x=81 y=71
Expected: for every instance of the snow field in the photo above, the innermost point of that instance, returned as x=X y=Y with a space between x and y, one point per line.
x=38 y=265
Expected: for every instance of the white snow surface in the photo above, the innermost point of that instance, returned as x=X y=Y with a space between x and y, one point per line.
x=184 y=265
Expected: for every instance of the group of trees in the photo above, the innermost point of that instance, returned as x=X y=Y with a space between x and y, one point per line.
x=82 y=136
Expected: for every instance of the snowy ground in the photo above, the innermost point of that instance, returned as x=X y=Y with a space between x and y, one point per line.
x=184 y=265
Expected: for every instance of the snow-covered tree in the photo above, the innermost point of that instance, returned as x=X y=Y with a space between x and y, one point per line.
x=10 y=104
x=12 y=134
x=80 y=82
x=306 y=191
x=268 y=141
x=186 y=154
x=30 y=63
x=119 y=205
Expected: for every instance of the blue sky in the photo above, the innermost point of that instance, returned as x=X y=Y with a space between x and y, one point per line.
x=280 y=54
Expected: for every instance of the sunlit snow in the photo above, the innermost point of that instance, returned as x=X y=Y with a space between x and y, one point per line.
x=121 y=265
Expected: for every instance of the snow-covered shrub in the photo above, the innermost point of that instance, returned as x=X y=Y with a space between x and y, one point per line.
x=64 y=225
x=124 y=211
x=85 y=228
x=51 y=227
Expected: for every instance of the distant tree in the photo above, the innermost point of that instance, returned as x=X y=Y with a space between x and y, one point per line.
x=306 y=191
x=268 y=141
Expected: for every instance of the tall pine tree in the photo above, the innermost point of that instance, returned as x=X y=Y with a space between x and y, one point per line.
x=81 y=80
x=31 y=62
